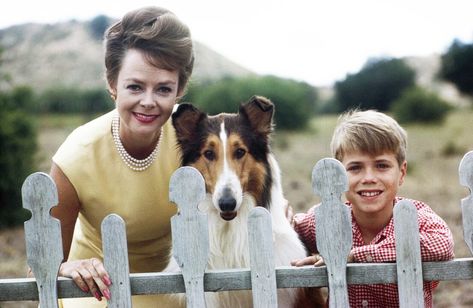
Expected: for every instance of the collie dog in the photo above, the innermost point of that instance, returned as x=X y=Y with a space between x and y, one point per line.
x=232 y=152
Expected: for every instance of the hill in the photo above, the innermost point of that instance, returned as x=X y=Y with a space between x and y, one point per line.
x=67 y=54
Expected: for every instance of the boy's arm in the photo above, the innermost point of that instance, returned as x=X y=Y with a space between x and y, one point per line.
x=436 y=242
x=304 y=224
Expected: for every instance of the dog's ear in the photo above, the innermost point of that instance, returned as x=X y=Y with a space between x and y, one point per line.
x=259 y=112
x=186 y=120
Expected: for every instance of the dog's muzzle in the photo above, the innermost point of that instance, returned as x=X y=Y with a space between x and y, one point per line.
x=227 y=204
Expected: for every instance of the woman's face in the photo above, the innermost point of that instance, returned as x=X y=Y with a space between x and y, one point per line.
x=145 y=97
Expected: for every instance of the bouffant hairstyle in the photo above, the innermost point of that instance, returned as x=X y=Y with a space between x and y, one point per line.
x=165 y=41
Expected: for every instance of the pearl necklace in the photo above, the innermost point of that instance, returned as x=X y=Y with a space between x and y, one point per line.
x=133 y=163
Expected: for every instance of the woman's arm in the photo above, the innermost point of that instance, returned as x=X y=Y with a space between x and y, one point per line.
x=89 y=274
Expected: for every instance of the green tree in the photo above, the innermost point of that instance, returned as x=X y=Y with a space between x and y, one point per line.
x=375 y=86
x=457 y=66
x=294 y=101
x=98 y=25
x=419 y=105
x=17 y=149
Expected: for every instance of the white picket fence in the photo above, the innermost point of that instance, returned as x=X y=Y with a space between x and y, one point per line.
x=44 y=250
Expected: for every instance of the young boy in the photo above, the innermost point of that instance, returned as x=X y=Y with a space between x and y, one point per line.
x=372 y=148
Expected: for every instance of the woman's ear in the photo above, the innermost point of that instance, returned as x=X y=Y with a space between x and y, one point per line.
x=112 y=91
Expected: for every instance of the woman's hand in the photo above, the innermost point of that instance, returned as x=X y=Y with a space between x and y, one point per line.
x=89 y=275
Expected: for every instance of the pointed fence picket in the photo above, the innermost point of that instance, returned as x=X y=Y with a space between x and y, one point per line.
x=190 y=242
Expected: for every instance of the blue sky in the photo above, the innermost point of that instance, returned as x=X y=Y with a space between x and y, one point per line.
x=310 y=40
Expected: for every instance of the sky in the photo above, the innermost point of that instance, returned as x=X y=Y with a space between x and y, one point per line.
x=315 y=41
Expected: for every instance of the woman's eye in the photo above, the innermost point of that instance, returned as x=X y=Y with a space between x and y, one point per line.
x=210 y=155
x=239 y=153
x=133 y=87
x=165 y=89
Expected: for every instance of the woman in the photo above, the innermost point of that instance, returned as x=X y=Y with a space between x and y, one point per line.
x=122 y=161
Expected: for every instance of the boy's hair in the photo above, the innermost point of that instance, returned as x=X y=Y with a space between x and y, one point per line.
x=370 y=132
x=164 y=39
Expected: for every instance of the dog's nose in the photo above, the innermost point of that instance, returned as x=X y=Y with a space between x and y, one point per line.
x=227 y=202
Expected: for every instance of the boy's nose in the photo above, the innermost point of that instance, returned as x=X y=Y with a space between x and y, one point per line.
x=369 y=176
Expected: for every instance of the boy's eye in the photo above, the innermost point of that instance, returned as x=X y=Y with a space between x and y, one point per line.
x=353 y=168
x=382 y=166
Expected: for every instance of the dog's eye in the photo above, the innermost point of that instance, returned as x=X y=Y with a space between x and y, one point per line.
x=210 y=155
x=239 y=153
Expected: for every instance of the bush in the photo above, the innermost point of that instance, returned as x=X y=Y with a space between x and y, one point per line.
x=418 y=105
x=294 y=101
x=72 y=100
x=17 y=149
x=375 y=86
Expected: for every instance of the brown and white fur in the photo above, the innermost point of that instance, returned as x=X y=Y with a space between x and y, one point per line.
x=233 y=154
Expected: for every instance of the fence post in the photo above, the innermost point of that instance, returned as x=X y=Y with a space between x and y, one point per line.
x=333 y=226
x=115 y=258
x=191 y=251
x=43 y=235
x=408 y=258
x=465 y=172
x=263 y=274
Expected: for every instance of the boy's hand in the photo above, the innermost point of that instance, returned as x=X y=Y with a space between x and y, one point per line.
x=315 y=260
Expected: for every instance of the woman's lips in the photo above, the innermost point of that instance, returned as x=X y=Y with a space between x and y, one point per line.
x=144 y=118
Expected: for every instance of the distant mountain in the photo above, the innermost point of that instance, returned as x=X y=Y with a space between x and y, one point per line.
x=67 y=54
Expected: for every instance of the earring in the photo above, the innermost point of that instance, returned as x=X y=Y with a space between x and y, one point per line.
x=113 y=96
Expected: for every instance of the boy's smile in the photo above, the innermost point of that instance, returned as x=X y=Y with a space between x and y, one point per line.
x=373 y=183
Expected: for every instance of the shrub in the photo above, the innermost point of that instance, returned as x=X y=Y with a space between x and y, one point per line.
x=375 y=86
x=72 y=100
x=294 y=101
x=418 y=105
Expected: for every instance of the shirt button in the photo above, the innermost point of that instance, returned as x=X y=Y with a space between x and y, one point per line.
x=369 y=258
x=364 y=303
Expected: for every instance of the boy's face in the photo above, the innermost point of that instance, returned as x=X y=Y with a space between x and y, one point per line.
x=373 y=182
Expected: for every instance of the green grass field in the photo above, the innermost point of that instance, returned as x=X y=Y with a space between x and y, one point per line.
x=434 y=154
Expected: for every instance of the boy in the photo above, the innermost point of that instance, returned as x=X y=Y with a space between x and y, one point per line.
x=372 y=147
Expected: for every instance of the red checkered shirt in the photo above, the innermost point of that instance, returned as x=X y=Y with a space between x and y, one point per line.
x=436 y=245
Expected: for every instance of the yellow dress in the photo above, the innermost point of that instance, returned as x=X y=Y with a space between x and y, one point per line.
x=105 y=185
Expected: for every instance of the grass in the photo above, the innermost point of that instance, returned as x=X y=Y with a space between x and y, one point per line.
x=434 y=154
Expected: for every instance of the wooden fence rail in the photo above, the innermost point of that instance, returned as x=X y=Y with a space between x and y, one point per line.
x=44 y=251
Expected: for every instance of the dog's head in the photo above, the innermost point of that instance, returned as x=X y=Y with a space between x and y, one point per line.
x=230 y=150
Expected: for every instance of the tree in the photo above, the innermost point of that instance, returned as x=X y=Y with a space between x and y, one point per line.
x=17 y=149
x=457 y=66
x=375 y=86
x=98 y=25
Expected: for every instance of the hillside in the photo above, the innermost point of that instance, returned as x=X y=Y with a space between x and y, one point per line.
x=48 y=55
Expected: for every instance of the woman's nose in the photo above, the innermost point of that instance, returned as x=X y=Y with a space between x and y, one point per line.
x=148 y=101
